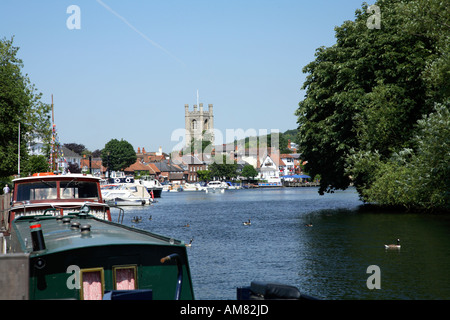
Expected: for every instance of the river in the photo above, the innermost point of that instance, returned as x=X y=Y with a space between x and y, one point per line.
x=329 y=260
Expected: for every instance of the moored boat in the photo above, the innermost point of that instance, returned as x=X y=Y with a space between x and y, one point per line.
x=216 y=186
x=82 y=257
x=152 y=185
x=49 y=193
x=126 y=194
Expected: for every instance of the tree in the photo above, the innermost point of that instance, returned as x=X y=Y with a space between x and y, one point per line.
x=19 y=105
x=204 y=175
x=418 y=178
x=365 y=94
x=223 y=170
x=36 y=163
x=75 y=147
x=118 y=155
x=249 y=171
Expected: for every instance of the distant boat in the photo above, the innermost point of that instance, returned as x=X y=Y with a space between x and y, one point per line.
x=152 y=185
x=193 y=187
x=120 y=177
x=216 y=186
x=126 y=194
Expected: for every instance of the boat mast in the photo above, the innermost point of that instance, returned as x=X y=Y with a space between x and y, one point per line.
x=53 y=153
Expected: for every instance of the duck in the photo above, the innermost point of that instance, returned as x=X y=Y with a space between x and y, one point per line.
x=393 y=246
x=136 y=219
x=247 y=223
x=190 y=243
x=186 y=225
x=150 y=218
x=309 y=225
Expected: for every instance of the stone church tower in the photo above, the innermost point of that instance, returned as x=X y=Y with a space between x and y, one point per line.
x=199 y=123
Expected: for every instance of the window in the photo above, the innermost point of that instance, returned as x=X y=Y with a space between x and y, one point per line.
x=125 y=278
x=75 y=189
x=36 y=191
x=194 y=124
x=92 y=284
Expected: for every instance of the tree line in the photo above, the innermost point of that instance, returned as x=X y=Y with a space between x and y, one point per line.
x=376 y=109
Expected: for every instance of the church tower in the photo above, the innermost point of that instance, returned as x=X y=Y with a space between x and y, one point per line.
x=199 y=124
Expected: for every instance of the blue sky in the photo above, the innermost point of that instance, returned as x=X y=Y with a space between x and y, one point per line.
x=132 y=66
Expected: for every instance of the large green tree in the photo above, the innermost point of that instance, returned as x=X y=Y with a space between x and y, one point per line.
x=20 y=104
x=365 y=94
x=223 y=169
x=118 y=155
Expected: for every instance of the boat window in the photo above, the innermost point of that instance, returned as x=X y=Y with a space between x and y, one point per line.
x=92 y=284
x=125 y=277
x=36 y=191
x=78 y=189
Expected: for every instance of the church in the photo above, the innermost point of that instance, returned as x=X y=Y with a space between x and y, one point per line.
x=199 y=124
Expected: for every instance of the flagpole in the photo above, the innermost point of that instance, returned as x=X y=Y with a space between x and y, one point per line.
x=18 y=160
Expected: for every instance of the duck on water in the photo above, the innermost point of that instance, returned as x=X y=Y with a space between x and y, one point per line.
x=393 y=246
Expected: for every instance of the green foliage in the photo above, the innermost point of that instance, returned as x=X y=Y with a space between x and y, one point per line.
x=223 y=170
x=36 y=163
x=118 y=155
x=75 y=147
x=19 y=104
x=249 y=171
x=365 y=96
x=418 y=179
x=204 y=175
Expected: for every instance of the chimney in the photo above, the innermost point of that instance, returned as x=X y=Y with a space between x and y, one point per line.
x=143 y=150
x=139 y=150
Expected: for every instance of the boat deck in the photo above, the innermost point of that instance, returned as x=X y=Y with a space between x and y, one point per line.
x=64 y=233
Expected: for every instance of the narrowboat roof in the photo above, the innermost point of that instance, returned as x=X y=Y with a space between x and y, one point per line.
x=60 y=236
x=57 y=177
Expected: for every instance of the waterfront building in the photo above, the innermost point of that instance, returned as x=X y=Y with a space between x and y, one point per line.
x=192 y=164
x=271 y=167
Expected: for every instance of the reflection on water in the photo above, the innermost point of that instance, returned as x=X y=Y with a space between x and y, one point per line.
x=328 y=260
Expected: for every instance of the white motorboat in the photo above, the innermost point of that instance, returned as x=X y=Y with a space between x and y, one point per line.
x=152 y=185
x=126 y=194
x=216 y=186
x=193 y=187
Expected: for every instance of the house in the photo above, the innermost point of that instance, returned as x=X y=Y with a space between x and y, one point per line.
x=93 y=165
x=170 y=172
x=192 y=165
x=271 y=167
x=289 y=168
x=140 y=168
x=147 y=157
x=68 y=158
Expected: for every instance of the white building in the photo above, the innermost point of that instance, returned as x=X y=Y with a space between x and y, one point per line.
x=271 y=167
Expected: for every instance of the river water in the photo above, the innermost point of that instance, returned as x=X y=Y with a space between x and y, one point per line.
x=329 y=260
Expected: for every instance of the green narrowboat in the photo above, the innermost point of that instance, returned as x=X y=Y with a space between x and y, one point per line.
x=79 y=256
